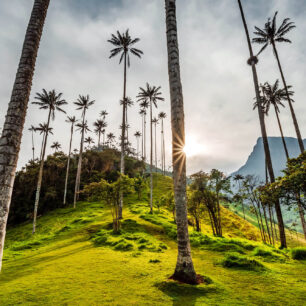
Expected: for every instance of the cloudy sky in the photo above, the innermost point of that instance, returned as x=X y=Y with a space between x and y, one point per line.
x=221 y=127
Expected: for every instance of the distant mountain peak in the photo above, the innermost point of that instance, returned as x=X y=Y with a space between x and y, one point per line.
x=255 y=163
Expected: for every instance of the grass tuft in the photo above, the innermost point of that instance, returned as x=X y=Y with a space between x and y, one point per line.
x=238 y=261
x=298 y=253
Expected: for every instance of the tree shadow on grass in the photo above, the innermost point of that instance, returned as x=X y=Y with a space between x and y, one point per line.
x=183 y=294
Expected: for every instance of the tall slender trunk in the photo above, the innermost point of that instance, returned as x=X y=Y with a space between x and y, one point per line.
x=302 y=216
x=161 y=149
x=79 y=169
x=123 y=137
x=271 y=224
x=99 y=138
x=281 y=131
x=155 y=147
x=33 y=148
x=267 y=224
x=164 y=151
x=145 y=137
x=263 y=131
x=184 y=270
x=296 y=126
x=142 y=142
x=68 y=165
x=151 y=161
x=103 y=139
x=40 y=174
x=13 y=126
x=137 y=147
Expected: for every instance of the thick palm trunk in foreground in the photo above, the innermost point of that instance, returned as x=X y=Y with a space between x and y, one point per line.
x=68 y=165
x=252 y=61
x=184 y=270
x=296 y=126
x=14 y=121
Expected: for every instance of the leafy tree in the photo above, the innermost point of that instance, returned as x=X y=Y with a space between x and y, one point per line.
x=270 y=35
x=139 y=185
x=238 y=178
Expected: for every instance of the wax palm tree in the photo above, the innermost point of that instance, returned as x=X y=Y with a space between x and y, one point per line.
x=103 y=114
x=82 y=103
x=162 y=116
x=56 y=146
x=184 y=270
x=43 y=128
x=127 y=102
x=72 y=120
x=16 y=114
x=270 y=35
x=89 y=141
x=137 y=135
x=110 y=139
x=143 y=111
x=155 y=122
x=99 y=129
x=52 y=102
x=33 y=130
x=124 y=45
x=273 y=95
x=150 y=94
x=252 y=61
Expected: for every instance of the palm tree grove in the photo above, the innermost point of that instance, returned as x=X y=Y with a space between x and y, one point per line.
x=152 y=152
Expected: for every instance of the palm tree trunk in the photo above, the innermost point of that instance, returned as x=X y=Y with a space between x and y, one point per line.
x=264 y=133
x=33 y=148
x=281 y=131
x=145 y=138
x=296 y=126
x=164 y=152
x=68 y=165
x=161 y=150
x=302 y=216
x=184 y=270
x=142 y=142
x=155 y=147
x=99 y=138
x=17 y=108
x=123 y=137
x=40 y=174
x=151 y=160
x=271 y=224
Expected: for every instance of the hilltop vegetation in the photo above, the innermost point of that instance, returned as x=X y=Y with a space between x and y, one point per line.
x=75 y=256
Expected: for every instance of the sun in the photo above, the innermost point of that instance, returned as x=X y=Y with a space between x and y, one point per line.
x=193 y=147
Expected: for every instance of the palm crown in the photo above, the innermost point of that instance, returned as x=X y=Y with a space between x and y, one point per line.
x=43 y=128
x=162 y=115
x=155 y=120
x=124 y=45
x=83 y=127
x=103 y=114
x=89 y=140
x=99 y=125
x=127 y=102
x=56 y=145
x=274 y=95
x=137 y=134
x=150 y=93
x=83 y=103
x=50 y=100
x=269 y=34
x=71 y=119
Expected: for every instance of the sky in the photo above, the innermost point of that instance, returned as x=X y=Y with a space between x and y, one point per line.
x=221 y=127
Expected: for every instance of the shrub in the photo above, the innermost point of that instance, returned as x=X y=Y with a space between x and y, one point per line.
x=241 y=262
x=298 y=253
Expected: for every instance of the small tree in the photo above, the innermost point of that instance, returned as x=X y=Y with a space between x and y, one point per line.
x=139 y=185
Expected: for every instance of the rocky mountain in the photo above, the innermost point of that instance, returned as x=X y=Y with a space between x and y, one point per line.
x=255 y=163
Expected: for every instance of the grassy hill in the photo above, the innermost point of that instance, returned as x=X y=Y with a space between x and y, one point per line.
x=75 y=258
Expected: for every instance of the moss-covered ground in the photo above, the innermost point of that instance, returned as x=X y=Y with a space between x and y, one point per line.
x=76 y=259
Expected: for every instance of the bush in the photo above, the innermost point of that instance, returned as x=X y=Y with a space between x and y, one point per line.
x=241 y=262
x=298 y=253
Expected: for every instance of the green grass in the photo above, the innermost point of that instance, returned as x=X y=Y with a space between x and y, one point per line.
x=298 y=253
x=75 y=258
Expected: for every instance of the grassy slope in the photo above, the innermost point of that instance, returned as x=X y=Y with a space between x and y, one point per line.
x=62 y=265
